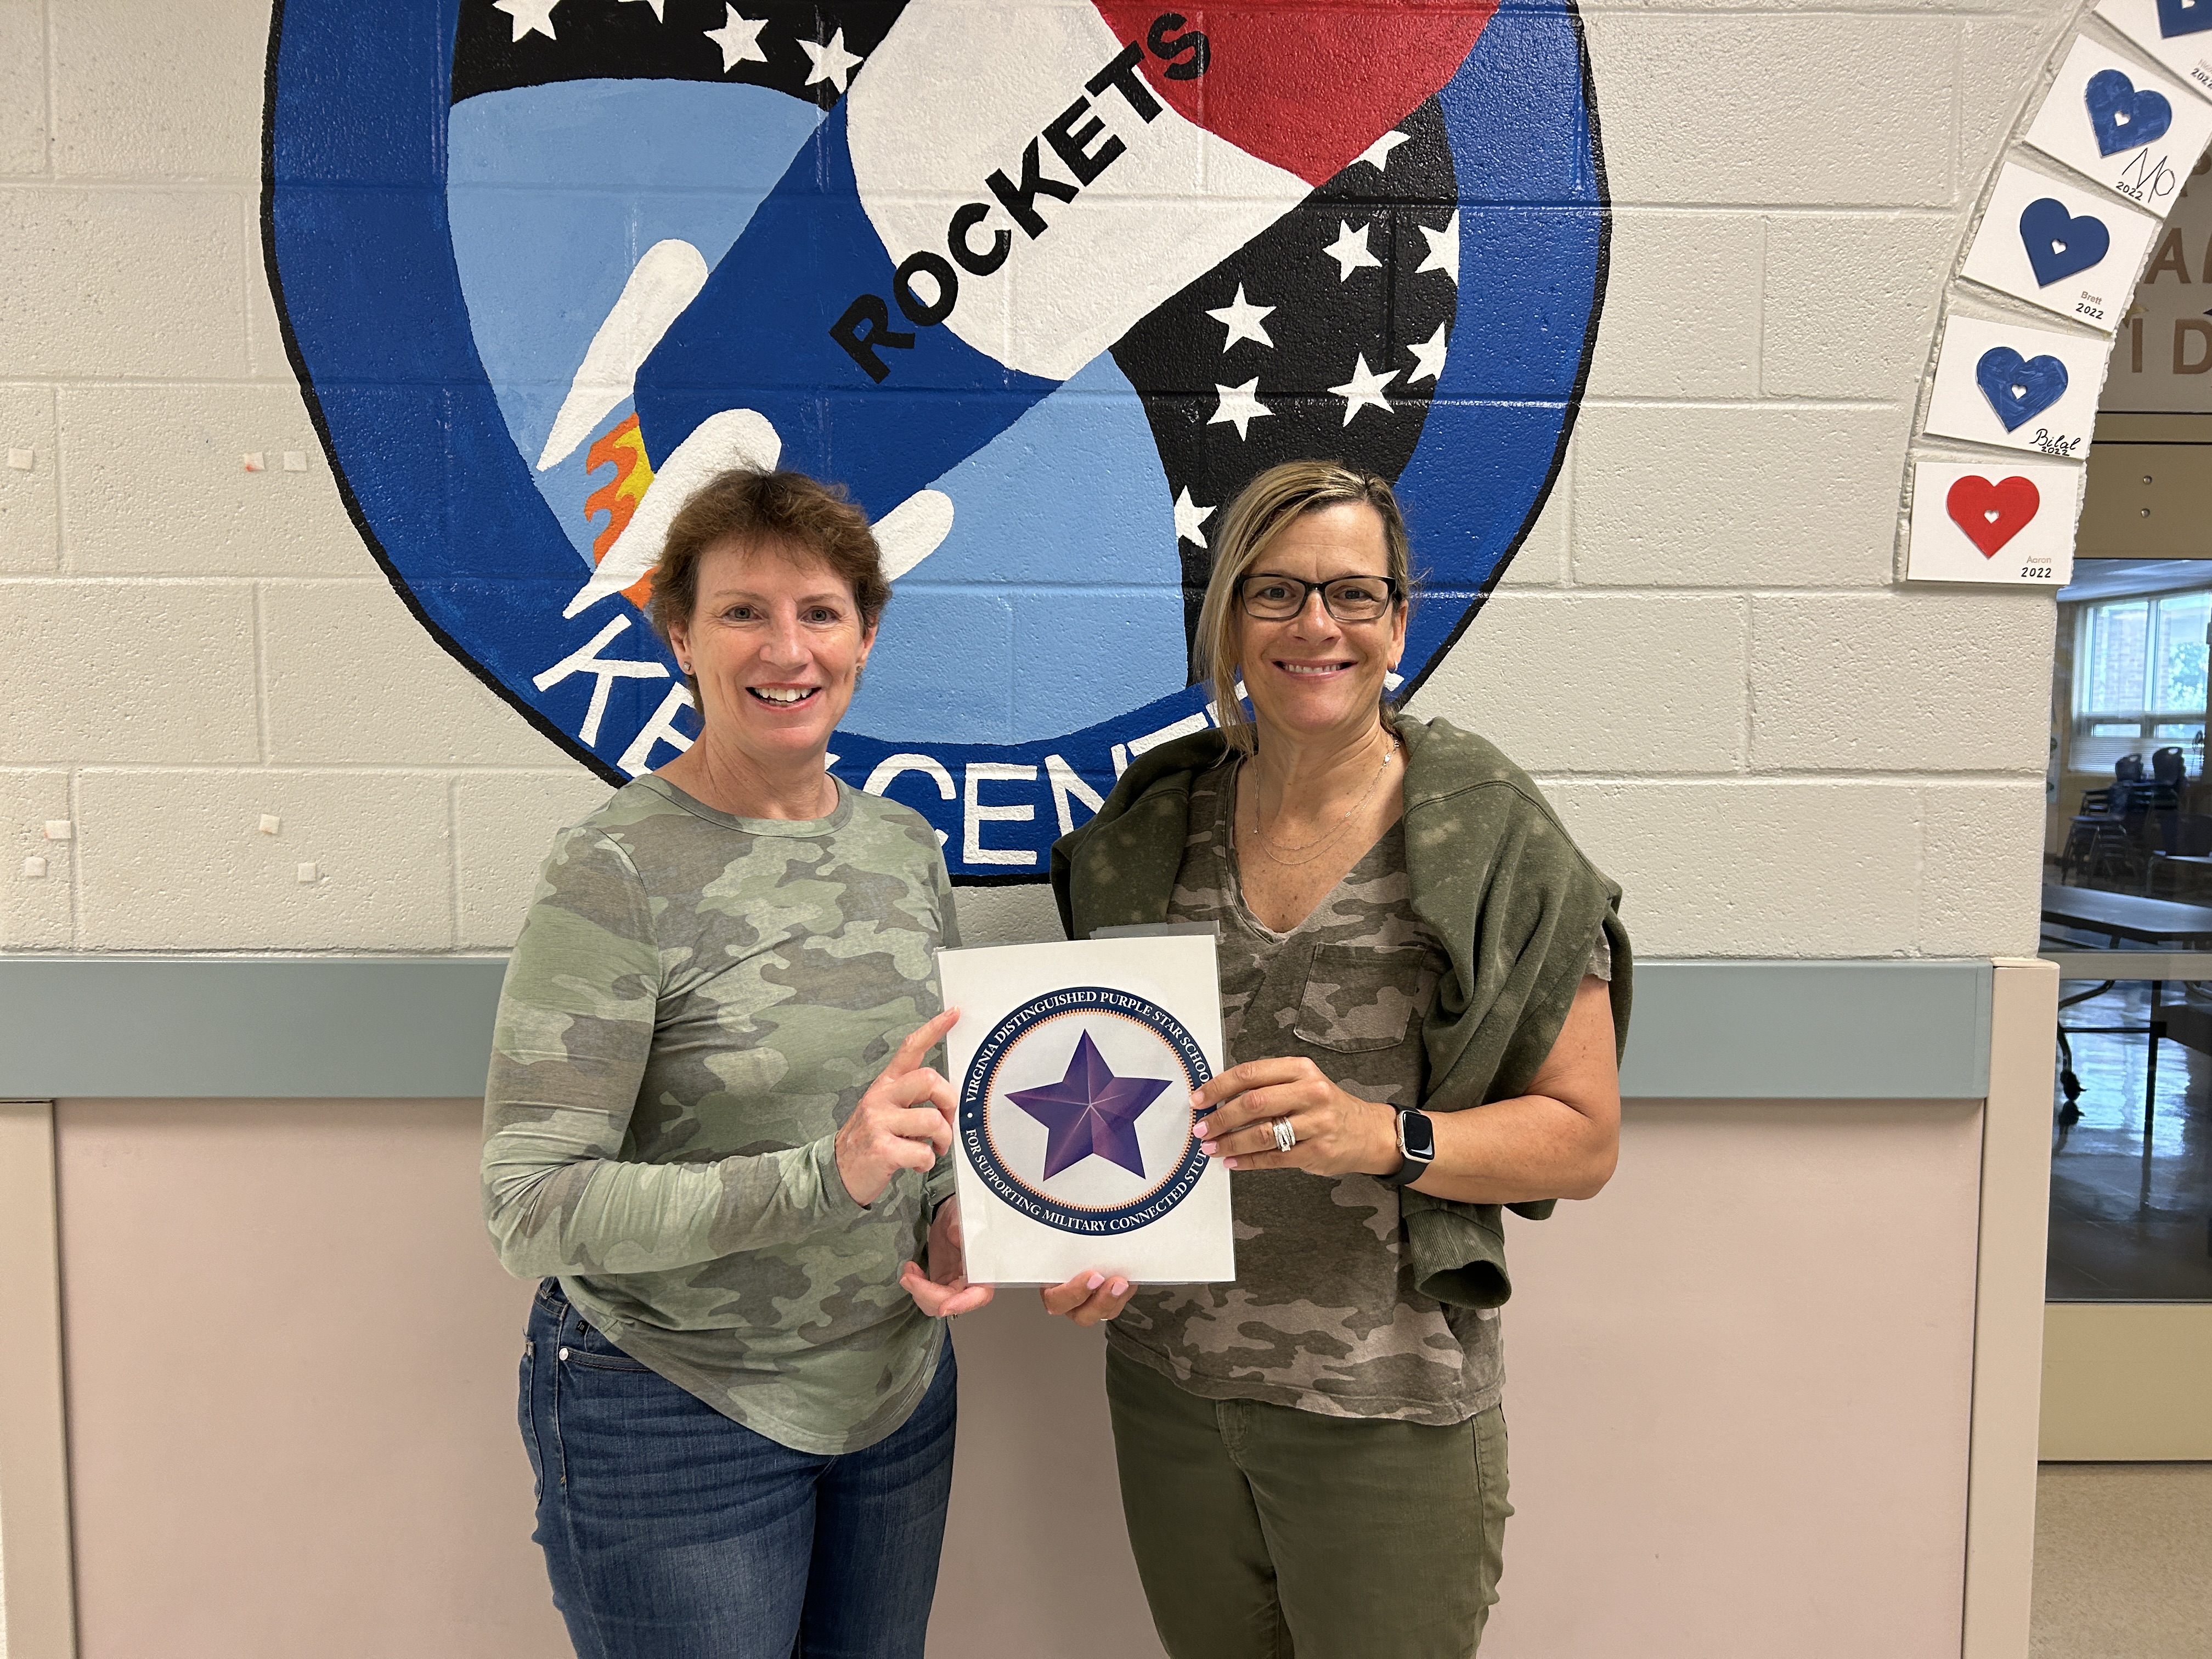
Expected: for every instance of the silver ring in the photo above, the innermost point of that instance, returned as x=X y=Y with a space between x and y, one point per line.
x=1286 y=1136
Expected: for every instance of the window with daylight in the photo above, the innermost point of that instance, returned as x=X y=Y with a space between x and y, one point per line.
x=2140 y=668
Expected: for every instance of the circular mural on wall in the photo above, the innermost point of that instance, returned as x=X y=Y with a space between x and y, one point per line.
x=1043 y=288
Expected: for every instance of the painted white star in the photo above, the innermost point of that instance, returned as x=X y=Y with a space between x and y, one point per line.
x=530 y=16
x=1443 y=249
x=831 y=62
x=1428 y=357
x=1350 y=250
x=1189 y=515
x=660 y=9
x=1377 y=155
x=739 y=38
x=1363 y=388
x=1242 y=321
x=1239 y=406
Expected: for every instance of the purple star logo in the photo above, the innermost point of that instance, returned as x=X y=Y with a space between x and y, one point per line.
x=1090 y=1112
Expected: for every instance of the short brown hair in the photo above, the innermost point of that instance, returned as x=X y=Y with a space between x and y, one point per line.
x=1261 y=513
x=777 y=510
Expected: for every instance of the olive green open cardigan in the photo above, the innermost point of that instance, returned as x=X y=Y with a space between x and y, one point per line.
x=1493 y=872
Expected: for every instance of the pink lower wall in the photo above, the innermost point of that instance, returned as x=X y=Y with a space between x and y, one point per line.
x=1738 y=1399
x=1738 y=1387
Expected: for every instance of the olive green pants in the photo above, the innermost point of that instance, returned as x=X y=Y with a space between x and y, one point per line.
x=1264 y=1532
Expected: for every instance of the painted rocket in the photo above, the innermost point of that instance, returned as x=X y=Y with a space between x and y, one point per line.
x=921 y=275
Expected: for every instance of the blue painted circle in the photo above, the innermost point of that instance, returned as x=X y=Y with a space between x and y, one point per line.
x=1002 y=702
x=1035 y=1200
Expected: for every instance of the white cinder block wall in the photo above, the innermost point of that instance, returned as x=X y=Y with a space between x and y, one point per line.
x=1702 y=653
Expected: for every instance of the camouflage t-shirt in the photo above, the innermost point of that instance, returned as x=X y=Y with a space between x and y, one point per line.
x=1322 y=1315
x=696 y=1003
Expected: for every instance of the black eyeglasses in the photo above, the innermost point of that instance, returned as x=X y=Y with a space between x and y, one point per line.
x=1348 y=599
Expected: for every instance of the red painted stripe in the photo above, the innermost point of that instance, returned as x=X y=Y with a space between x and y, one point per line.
x=1305 y=87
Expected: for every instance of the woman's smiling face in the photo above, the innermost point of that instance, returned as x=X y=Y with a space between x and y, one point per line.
x=776 y=643
x=1311 y=674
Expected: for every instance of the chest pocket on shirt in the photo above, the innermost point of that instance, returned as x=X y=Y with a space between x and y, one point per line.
x=1358 y=999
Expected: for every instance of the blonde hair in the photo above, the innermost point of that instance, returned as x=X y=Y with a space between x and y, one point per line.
x=1261 y=512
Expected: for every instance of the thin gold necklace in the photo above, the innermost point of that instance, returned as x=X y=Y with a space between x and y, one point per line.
x=1268 y=844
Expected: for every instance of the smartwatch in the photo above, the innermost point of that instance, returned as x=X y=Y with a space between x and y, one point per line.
x=1417 y=1148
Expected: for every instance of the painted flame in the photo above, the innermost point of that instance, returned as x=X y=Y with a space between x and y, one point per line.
x=623 y=449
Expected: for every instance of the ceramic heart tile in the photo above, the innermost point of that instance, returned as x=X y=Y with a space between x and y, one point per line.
x=2127 y=126
x=2002 y=523
x=2178 y=32
x=2021 y=388
x=2066 y=249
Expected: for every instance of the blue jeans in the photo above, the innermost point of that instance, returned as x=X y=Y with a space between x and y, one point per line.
x=671 y=1532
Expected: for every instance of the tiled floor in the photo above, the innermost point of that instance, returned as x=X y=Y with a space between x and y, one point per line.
x=2124 y=1227
x=2123 y=1561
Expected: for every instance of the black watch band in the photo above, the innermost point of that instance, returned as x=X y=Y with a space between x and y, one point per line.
x=1417 y=1148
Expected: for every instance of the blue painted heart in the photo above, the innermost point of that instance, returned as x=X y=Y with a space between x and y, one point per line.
x=2057 y=243
x=2122 y=117
x=2183 y=17
x=2019 y=388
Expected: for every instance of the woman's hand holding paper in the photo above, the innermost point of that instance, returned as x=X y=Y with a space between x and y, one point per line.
x=1088 y=1298
x=1333 y=1132
x=904 y=1121
x=941 y=1290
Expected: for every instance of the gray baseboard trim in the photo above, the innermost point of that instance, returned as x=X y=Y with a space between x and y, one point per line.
x=1809 y=1030
x=393 y=1028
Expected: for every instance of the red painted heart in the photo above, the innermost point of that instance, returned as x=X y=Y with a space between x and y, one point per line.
x=1991 y=514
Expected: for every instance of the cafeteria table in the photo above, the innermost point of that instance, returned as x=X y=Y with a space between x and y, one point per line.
x=2147 y=922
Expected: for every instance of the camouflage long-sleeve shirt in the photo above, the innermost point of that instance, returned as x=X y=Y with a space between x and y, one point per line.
x=696 y=1003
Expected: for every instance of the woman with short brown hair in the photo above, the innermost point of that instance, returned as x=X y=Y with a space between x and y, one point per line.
x=712 y=1132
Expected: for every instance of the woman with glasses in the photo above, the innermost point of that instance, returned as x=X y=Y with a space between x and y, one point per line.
x=1424 y=986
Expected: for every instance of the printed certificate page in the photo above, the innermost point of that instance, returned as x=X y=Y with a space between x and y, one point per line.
x=1074 y=1065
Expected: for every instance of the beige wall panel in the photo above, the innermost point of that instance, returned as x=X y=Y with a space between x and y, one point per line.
x=158 y=91
x=2146 y=501
x=1738 y=1401
x=2002 y=64
x=1981 y=869
x=1663 y=498
x=1856 y=93
x=2126 y=1382
x=1909 y=679
x=35 y=912
x=179 y=862
x=113 y=282
x=353 y=679
x=1724 y=868
x=158 y=485
x=1697 y=337
x=1007 y=915
x=1677 y=659
x=1738 y=1387
x=292 y=1363
x=1812 y=347
x=30 y=502
x=128 y=672
x=22 y=90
